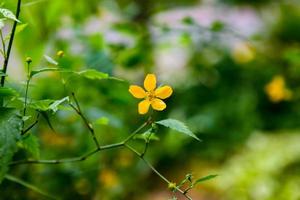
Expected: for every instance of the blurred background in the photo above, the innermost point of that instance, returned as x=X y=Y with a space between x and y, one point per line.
x=234 y=66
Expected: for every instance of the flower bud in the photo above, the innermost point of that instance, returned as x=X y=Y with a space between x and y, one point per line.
x=172 y=186
x=28 y=60
x=60 y=54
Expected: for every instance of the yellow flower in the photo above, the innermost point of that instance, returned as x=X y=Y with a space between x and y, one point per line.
x=277 y=91
x=151 y=96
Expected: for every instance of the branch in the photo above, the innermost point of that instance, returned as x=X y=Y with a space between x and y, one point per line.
x=157 y=172
x=11 y=39
x=86 y=122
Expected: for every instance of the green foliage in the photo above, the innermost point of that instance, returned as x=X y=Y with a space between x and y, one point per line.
x=10 y=129
x=178 y=126
x=92 y=74
x=31 y=144
x=7 y=92
x=8 y=14
x=205 y=178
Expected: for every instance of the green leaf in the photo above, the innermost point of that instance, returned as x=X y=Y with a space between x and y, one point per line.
x=55 y=104
x=8 y=14
x=28 y=185
x=92 y=74
x=178 y=126
x=41 y=105
x=31 y=144
x=205 y=178
x=50 y=60
x=35 y=72
x=10 y=129
x=47 y=104
x=7 y=92
x=20 y=28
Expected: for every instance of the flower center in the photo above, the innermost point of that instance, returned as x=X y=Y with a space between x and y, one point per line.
x=150 y=95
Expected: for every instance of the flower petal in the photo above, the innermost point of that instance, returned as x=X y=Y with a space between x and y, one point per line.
x=144 y=107
x=163 y=92
x=137 y=91
x=150 y=82
x=158 y=104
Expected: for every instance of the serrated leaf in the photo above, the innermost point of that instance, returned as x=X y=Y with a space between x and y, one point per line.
x=10 y=129
x=8 y=14
x=50 y=60
x=31 y=144
x=93 y=74
x=178 y=126
x=7 y=92
x=205 y=178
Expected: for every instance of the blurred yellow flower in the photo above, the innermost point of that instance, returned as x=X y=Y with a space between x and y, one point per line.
x=151 y=96
x=277 y=91
x=108 y=178
x=243 y=53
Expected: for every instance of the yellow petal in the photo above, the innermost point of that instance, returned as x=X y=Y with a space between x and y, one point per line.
x=150 y=82
x=144 y=107
x=158 y=104
x=163 y=92
x=137 y=91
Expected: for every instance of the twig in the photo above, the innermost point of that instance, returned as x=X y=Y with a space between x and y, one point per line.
x=11 y=39
x=157 y=172
x=86 y=122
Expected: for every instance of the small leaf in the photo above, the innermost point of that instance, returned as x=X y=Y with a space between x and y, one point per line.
x=8 y=14
x=205 y=178
x=7 y=92
x=178 y=126
x=31 y=144
x=20 y=28
x=50 y=60
x=93 y=74
x=55 y=104
x=41 y=105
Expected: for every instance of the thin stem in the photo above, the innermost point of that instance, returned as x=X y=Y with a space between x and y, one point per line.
x=3 y=44
x=23 y=132
x=137 y=130
x=26 y=91
x=11 y=39
x=86 y=122
x=157 y=172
